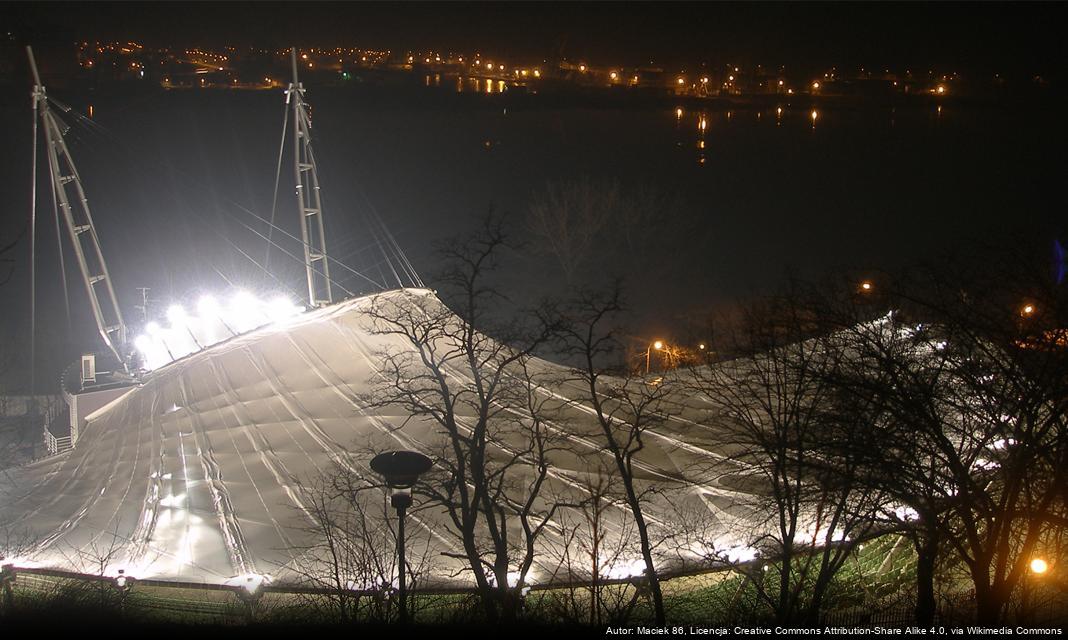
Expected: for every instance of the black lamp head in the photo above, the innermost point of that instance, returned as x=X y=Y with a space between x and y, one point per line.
x=401 y=469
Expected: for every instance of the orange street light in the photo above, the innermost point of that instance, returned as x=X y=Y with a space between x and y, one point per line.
x=1039 y=566
x=1027 y=310
x=658 y=345
x=866 y=286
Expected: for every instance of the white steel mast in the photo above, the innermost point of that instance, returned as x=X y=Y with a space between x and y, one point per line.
x=70 y=196
x=309 y=203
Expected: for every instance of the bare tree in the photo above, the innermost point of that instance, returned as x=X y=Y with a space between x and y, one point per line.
x=474 y=383
x=570 y=217
x=594 y=545
x=583 y=222
x=350 y=561
x=624 y=407
x=964 y=384
x=785 y=424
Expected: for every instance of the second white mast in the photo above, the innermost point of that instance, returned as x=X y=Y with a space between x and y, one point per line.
x=309 y=202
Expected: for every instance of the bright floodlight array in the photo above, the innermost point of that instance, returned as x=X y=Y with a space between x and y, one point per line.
x=213 y=322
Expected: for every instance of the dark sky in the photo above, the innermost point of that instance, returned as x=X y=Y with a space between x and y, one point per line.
x=1007 y=38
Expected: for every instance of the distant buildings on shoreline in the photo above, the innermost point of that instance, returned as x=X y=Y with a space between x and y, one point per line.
x=261 y=68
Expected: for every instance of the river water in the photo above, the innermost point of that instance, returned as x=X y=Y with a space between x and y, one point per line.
x=733 y=199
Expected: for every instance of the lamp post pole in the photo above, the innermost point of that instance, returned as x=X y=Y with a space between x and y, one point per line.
x=401 y=500
x=658 y=345
x=401 y=470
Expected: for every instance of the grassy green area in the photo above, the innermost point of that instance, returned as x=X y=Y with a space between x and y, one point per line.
x=877 y=578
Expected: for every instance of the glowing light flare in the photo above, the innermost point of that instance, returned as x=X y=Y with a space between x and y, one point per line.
x=214 y=322
x=176 y=315
x=1039 y=566
x=659 y=344
x=740 y=554
x=623 y=568
x=250 y=582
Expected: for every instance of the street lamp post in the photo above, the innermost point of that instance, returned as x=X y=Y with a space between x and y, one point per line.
x=122 y=585
x=401 y=470
x=658 y=345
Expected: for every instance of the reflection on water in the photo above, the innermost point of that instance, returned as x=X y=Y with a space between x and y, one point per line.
x=470 y=84
x=706 y=122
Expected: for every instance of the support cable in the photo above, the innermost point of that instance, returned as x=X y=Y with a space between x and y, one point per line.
x=274 y=193
x=33 y=262
x=272 y=226
x=62 y=261
x=301 y=260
